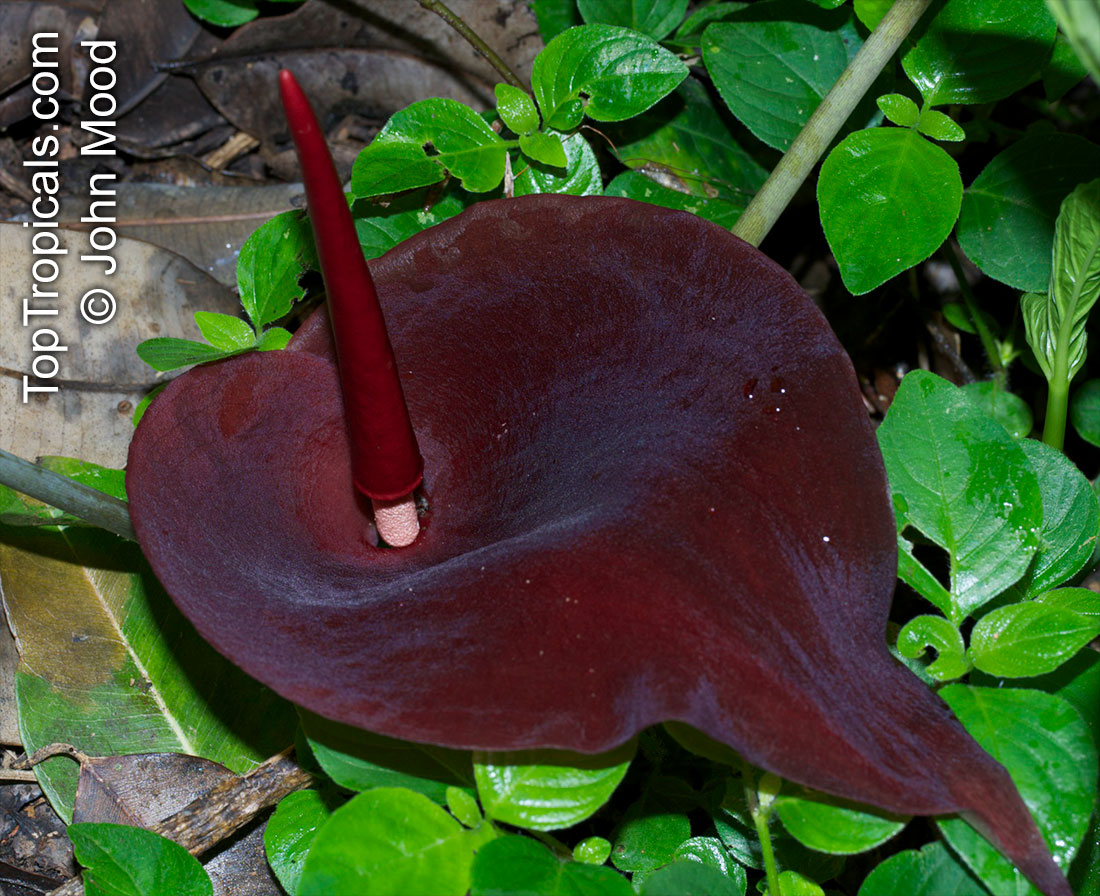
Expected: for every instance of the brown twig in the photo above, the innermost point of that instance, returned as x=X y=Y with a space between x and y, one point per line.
x=472 y=38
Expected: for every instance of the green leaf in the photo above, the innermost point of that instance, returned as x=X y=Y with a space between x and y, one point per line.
x=931 y=872
x=274 y=339
x=691 y=30
x=592 y=851
x=1065 y=70
x=633 y=185
x=835 y=826
x=978 y=51
x=463 y=806
x=1084 y=412
x=1045 y=746
x=773 y=63
x=555 y=16
x=917 y=576
x=223 y=13
x=1023 y=640
x=547 y=789
x=1078 y=683
x=1006 y=224
x=871 y=12
x=462 y=141
x=690 y=877
x=684 y=141
x=620 y=72
x=935 y=632
x=1071 y=519
x=1011 y=411
x=901 y=110
x=361 y=760
x=120 y=860
x=224 y=331
x=380 y=228
x=147 y=399
x=710 y=851
x=518 y=866
x=939 y=127
x=581 y=176
x=653 y=17
x=1080 y=22
x=964 y=482
x=648 y=837
x=1082 y=601
x=168 y=353
x=791 y=883
x=386 y=841
x=272 y=259
x=888 y=198
x=516 y=109
x=545 y=147
x=109 y=665
x=290 y=832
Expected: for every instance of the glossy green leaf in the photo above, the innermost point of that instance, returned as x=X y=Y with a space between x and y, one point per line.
x=519 y=866
x=516 y=109
x=888 y=199
x=634 y=185
x=555 y=16
x=361 y=760
x=690 y=877
x=463 y=806
x=653 y=17
x=1080 y=22
x=1023 y=640
x=109 y=665
x=978 y=51
x=712 y=852
x=580 y=177
x=1078 y=683
x=544 y=147
x=386 y=841
x=289 y=833
x=380 y=228
x=870 y=12
x=120 y=860
x=272 y=259
x=1082 y=601
x=791 y=883
x=274 y=339
x=917 y=576
x=1064 y=70
x=619 y=72
x=691 y=29
x=939 y=126
x=1071 y=519
x=960 y=479
x=592 y=851
x=17 y=509
x=462 y=141
x=684 y=141
x=548 y=789
x=1011 y=411
x=828 y=824
x=1046 y=747
x=1006 y=225
x=933 y=871
x=1084 y=876
x=168 y=353
x=223 y=13
x=1084 y=411
x=225 y=331
x=901 y=110
x=775 y=61
x=934 y=632
x=648 y=837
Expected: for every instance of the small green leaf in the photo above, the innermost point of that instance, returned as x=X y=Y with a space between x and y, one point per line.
x=648 y=837
x=120 y=860
x=223 y=13
x=1071 y=519
x=871 y=12
x=274 y=339
x=361 y=760
x=547 y=789
x=545 y=147
x=380 y=228
x=832 y=825
x=393 y=166
x=773 y=64
x=888 y=199
x=518 y=866
x=555 y=16
x=290 y=832
x=712 y=852
x=653 y=17
x=1006 y=224
x=1023 y=640
x=271 y=261
x=901 y=110
x=592 y=851
x=1082 y=601
x=581 y=176
x=463 y=806
x=933 y=871
x=791 y=883
x=686 y=876
x=691 y=30
x=620 y=72
x=939 y=127
x=640 y=187
x=168 y=353
x=386 y=841
x=224 y=331
x=143 y=405
x=516 y=109
x=1084 y=412
x=978 y=51
x=1011 y=411
x=934 y=632
x=1046 y=747
x=964 y=482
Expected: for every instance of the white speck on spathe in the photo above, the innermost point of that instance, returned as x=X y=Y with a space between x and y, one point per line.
x=825 y=538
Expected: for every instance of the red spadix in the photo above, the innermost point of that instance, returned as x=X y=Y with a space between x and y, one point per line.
x=655 y=494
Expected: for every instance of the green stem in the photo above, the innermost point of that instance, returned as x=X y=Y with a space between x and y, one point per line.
x=989 y=344
x=61 y=492
x=812 y=141
x=760 y=817
x=1054 y=425
x=455 y=21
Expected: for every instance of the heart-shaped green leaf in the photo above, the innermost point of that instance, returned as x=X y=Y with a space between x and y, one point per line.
x=834 y=826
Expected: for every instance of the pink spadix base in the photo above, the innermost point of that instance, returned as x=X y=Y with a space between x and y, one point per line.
x=396 y=521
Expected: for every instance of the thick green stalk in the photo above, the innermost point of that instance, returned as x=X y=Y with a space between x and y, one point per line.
x=1054 y=425
x=812 y=141
x=66 y=494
